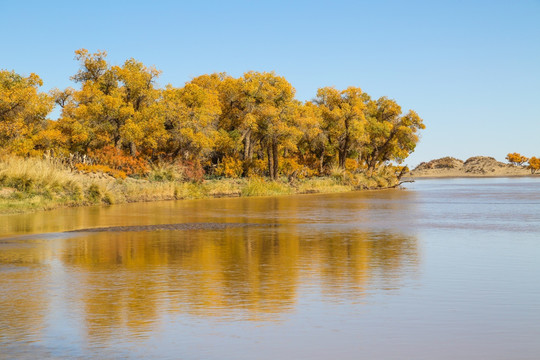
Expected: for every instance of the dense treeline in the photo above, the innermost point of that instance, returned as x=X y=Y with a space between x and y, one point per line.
x=215 y=125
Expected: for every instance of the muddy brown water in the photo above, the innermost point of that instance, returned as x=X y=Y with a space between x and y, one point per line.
x=443 y=270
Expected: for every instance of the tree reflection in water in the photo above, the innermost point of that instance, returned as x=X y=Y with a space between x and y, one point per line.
x=130 y=279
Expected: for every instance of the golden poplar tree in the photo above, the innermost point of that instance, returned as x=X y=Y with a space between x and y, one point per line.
x=23 y=112
x=391 y=136
x=343 y=119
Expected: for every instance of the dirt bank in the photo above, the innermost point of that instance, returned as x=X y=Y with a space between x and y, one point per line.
x=477 y=166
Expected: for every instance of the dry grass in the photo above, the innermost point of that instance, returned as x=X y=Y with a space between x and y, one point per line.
x=260 y=187
x=322 y=185
x=35 y=184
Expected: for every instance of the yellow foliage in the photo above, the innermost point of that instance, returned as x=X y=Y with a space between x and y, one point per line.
x=292 y=169
x=351 y=165
x=251 y=125
x=343 y=118
x=23 y=111
x=391 y=136
x=96 y=169
x=534 y=164
x=229 y=167
x=256 y=168
x=516 y=159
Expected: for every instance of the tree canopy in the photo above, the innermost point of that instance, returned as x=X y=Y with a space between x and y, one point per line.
x=224 y=126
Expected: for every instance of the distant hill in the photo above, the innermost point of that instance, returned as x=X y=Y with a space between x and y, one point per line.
x=478 y=166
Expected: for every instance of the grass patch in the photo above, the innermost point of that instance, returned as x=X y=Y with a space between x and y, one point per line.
x=322 y=185
x=189 y=190
x=36 y=184
x=260 y=187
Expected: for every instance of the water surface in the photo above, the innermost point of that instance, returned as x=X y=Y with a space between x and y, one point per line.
x=445 y=269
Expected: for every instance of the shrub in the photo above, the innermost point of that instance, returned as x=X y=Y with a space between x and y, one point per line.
x=230 y=167
x=93 y=193
x=290 y=167
x=73 y=190
x=293 y=170
x=192 y=170
x=165 y=172
x=22 y=183
x=107 y=198
x=256 y=168
x=116 y=159
x=85 y=168
x=342 y=176
x=351 y=165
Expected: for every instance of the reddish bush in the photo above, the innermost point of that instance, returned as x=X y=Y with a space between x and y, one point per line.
x=192 y=170
x=85 y=168
x=116 y=159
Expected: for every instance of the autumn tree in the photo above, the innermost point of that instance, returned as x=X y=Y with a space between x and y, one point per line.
x=190 y=116
x=137 y=87
x=235 y=126
x=113 y=106
x=343 y=119
x=534 y=164
x=391 y=136
x=516 y=159
x=228 y=141
x=313 y=141
x=273 y=112
x=257 y=111
x=23 y=113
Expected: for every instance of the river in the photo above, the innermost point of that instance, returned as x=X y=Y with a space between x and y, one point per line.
x=446 y=269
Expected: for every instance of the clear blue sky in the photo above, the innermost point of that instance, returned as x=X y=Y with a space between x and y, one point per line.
x=471 y=69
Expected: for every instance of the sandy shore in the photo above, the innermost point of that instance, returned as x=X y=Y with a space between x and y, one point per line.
x=478 y=166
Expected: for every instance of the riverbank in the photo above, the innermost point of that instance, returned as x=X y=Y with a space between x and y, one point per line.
x=34 y=184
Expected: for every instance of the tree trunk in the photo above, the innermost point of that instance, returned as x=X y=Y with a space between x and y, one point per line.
x=133 y=149
x=248 y=152
x=372 y=163
x=343 y=152
x=342 y=155
x=321 y=163
x=118 y=142
x=270 y=161
x=276 y=157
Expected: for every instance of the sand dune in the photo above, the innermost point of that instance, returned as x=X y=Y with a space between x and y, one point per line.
x=477 y=166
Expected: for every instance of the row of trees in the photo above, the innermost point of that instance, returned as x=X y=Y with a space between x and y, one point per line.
x=228 y=126
x=531 y=163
